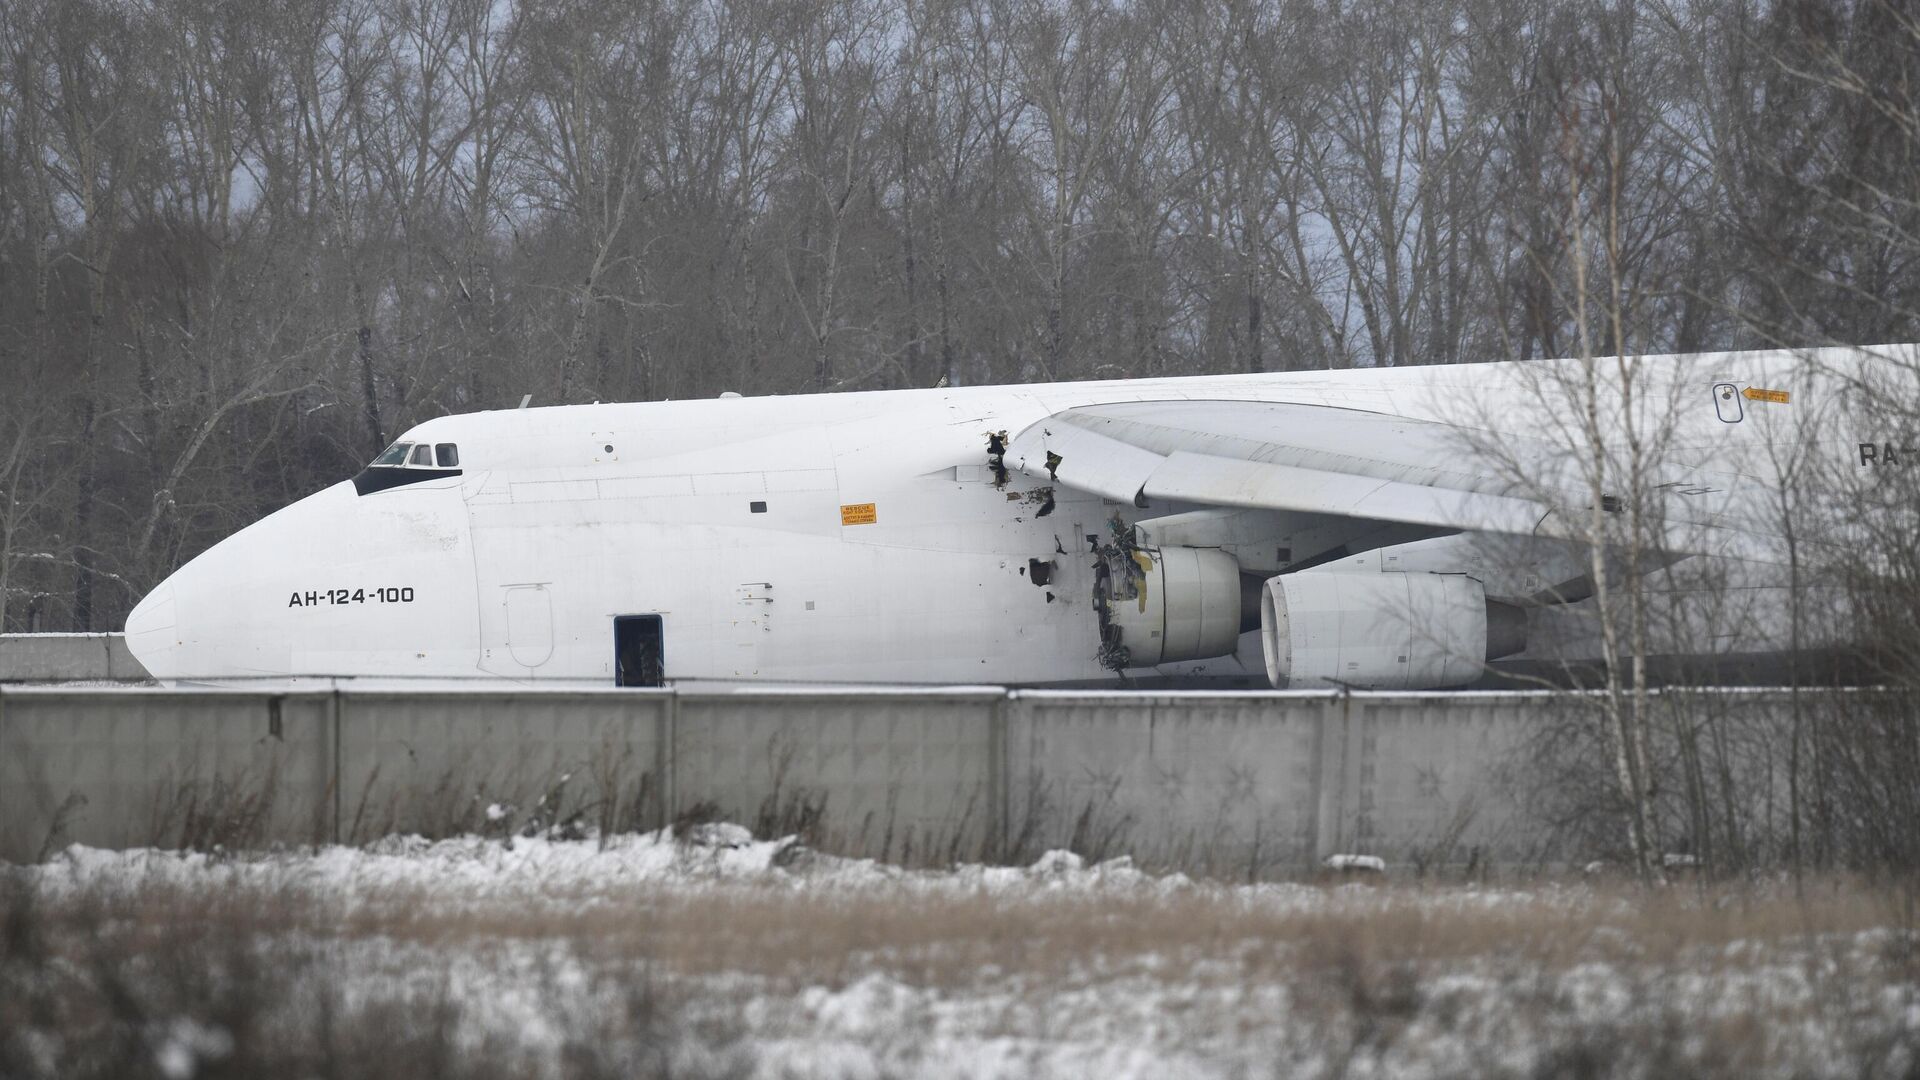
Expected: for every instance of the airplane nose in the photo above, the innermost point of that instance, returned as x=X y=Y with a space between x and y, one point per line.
x=335 y=584
x=150 y=627
x=191 y=626
x=205 y=620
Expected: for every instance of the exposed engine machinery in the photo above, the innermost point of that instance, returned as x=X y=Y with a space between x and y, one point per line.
x=1379 y=630
x=1160 y=605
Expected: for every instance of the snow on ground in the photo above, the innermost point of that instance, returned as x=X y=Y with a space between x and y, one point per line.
x=468 y=872
x=719 y=954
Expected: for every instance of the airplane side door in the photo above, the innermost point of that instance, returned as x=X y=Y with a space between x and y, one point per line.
x=639 y=650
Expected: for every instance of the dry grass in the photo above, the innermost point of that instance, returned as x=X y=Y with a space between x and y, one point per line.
x=653 y=979
x=947 y=937
x=178 y=983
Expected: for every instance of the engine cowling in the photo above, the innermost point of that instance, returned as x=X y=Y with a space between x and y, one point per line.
x=1182 y=604
x=1382 y=631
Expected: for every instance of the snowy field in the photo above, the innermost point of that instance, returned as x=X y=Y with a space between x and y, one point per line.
x=720 y=955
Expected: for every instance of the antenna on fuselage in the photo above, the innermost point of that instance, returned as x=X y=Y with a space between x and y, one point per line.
x=524 y=398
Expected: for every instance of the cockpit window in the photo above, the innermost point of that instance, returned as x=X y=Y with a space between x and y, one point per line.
x=406 y=463
x=394 y=455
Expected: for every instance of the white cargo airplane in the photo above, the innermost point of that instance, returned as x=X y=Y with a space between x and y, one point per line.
x=1320 y=528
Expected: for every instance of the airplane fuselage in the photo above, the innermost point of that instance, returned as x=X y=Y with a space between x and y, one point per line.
x=861 y=537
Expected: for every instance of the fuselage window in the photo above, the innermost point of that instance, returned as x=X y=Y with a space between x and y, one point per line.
x=449 y=455
x=394 y=455
x=422 y=455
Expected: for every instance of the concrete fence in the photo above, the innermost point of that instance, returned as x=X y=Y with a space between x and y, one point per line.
x=1232 y=784
x=68 y=658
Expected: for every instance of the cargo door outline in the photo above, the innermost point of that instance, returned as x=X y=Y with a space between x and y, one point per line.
x=529 y=624
x=507 y=555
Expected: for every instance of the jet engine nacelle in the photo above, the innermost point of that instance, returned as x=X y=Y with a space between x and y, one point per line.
x=1382 y=631
x=1182 y=604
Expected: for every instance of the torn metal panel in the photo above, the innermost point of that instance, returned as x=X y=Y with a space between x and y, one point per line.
x=1042 y=498
x=1119 y=576
x=996 y=457
x=1089 y=460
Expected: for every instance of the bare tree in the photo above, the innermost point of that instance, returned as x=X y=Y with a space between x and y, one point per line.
x=598 y=70
x=833 y=83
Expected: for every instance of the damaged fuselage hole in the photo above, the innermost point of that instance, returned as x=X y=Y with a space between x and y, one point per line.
x=1040 y=497
x=997 y=457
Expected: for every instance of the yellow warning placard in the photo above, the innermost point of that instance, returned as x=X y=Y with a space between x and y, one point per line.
x=1754 y=393
x=857 y=514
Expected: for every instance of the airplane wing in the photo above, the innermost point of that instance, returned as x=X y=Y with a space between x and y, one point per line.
x=1368 y=466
